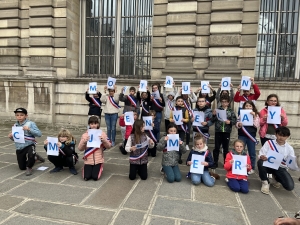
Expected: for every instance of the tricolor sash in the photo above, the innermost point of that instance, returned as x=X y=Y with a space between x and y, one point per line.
x=249 y=135
x=30 y=138
x=184 y=128
x=143 y=108
x=170 y=105
x=245 y=98
x=205 y=135
x=152 y=136
x=139 y=156
x=276 y=126
x=274 y=148
x=112 y=101
x=207 y=102
x=132 y=100
x=89 y=151
x=157 y=103
x=96 y=102
x=61 y=151
x=189 y=109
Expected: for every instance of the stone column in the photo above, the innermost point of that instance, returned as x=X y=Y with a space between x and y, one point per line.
x=10 y=15
x=225 y=39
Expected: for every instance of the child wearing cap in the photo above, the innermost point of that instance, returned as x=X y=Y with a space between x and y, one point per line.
x=25 y=152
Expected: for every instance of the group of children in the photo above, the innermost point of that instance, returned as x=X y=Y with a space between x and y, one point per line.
x=141 y=143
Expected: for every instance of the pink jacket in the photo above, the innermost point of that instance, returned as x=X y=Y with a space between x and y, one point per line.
x=228 y=167
x=263 y=122
x=97 y=156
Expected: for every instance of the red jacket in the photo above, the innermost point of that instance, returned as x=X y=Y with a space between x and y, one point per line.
x=128 y=127
x=228 y=167
x=255 y=96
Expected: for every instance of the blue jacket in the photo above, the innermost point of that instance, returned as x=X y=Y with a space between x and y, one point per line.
x=208 y=158
x=34 y=132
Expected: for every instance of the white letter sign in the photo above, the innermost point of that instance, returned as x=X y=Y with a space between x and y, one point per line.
x=18 y=134
x=221 y=114
x=148 y=122
x=246 y=118
x=274 y=160
x=169 y=82
x=197 y=166
x=94 y=140
x=204 y=87
x=239 y=166
x=199 y=118
x=111 y=82
x=128 y=118
x=186 y=88
x=173 y=142
x=52 y=148
x=93 y=88
x=274 y=115
x=143 y=86
x=245 y=83
x=177 y=117
x=225 y=84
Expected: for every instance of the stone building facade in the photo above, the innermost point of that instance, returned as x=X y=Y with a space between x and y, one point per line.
x=43 y=68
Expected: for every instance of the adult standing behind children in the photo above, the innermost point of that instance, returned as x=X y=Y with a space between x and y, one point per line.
x=26 y=154
x=158 y=106
x=267 y=131
x=94 y=104
x=208 y=99
x=111 y=110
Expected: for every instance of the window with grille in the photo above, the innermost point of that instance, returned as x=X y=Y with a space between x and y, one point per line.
x=278 y=40
x=117 y=36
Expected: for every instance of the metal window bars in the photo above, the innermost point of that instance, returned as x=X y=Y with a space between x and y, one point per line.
x=118 y=38
x=278 y=40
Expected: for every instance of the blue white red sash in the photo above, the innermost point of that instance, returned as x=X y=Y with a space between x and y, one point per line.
x=139 y=156
x=96 y=102
x=143 y=108
x=157 y=103
x=152 y=136
x=245 y=98
x=30 y=138
x=132 y=100
x=275 y=126
x=184 y=128
x=189 y=109
x=61 y=151
x=207 y=102
x=274 y=148
x=170 y=105
x=205 y=135
x=89 y=151
x=249 y=135
x=112 y=101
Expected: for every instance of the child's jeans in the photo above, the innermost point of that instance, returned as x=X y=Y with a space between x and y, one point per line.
x=205 y=177
x=172 y=173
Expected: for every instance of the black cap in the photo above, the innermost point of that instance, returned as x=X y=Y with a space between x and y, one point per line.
x=21 y=110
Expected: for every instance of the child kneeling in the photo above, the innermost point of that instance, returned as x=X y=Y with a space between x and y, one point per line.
x=93 y=157
x=237 y=183
x=200 y=148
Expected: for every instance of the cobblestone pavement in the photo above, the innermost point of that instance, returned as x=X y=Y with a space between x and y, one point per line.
x=62 y=198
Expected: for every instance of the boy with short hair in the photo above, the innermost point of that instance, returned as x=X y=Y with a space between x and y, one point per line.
x=25 y=152
x=131 y=102
x=145 y=103
x=280 y=176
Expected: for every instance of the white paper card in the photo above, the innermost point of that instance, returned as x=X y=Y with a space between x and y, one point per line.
x=177 y=117
x=186 y=88
x=221 y=114
x=274 y=115
x=52 y=148
x=173 y=142
x=274 y=160
x=128 y=118
x=291 y=163
x=18 y=134
x=111 y=82
x=196 y=166
x=245 y=117
x=245 y=83
x=156 y=94
x=239 y=166
x=225 y=84
x=143 y=86
x=148 y=120
x=169 y=82
x=93 y=88
x=204 y=87
x=94 y=140
x=42 y=168
x=142 y=145
x=198 y=118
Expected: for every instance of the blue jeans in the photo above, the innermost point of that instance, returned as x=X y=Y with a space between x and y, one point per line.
x=172 y=173
x=238 y=185
x=206 y=178
x=158 y=121
x=111 y=121
x=251 y=149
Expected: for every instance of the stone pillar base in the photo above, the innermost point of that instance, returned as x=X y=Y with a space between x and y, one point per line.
x=11 y=71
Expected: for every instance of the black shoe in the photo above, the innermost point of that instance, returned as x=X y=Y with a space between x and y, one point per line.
x=215 y=166
x=180 y=161
x=56 y=170
x=122 y=150
x=40 y=158
x=73 y=171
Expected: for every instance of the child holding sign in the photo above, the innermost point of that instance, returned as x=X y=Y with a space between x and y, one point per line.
x=268 y=154
x=200 y=148
x=145 y=103
x=138 y=144
x=130 y=101
x=221 y=93
x=223 y=129
x=170 y=158
x=170 y=102
x=237 y=170
x=152 y=133
x=247 y=133
x=67 y=156
x=93 y=156
x=94 y=103
x=25 y=152
x=208 y=99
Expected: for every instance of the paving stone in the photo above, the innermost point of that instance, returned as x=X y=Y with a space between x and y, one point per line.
x=7 y=202
x=207 y=214
x=222 y=195
x=154 y=170
x=51 y=192
x=180 y=189
x=161 y=221
x=138 y=198
x=3 y=164
x=70 y=213
x=4 y=215
x=254 y=184
x=116 y=169
x=54 y=177
x=10 y=158
x=286 y=199
x=129 y=217
x=297 y=189
x=260 y=208
x=9 y=172
x=118 y=161
x=9 y=184
x=29 y=221
x=112 y=193
x=36 y=173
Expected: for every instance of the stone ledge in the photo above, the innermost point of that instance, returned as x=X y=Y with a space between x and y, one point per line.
x=181 y=18
x=182 y=7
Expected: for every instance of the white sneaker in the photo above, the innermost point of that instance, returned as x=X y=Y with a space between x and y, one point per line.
x=275 y=184
x=187 y=147
x=270 y=176
x=251 y=172
x=265 y=187
x=162 y=171
x=226 y=180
